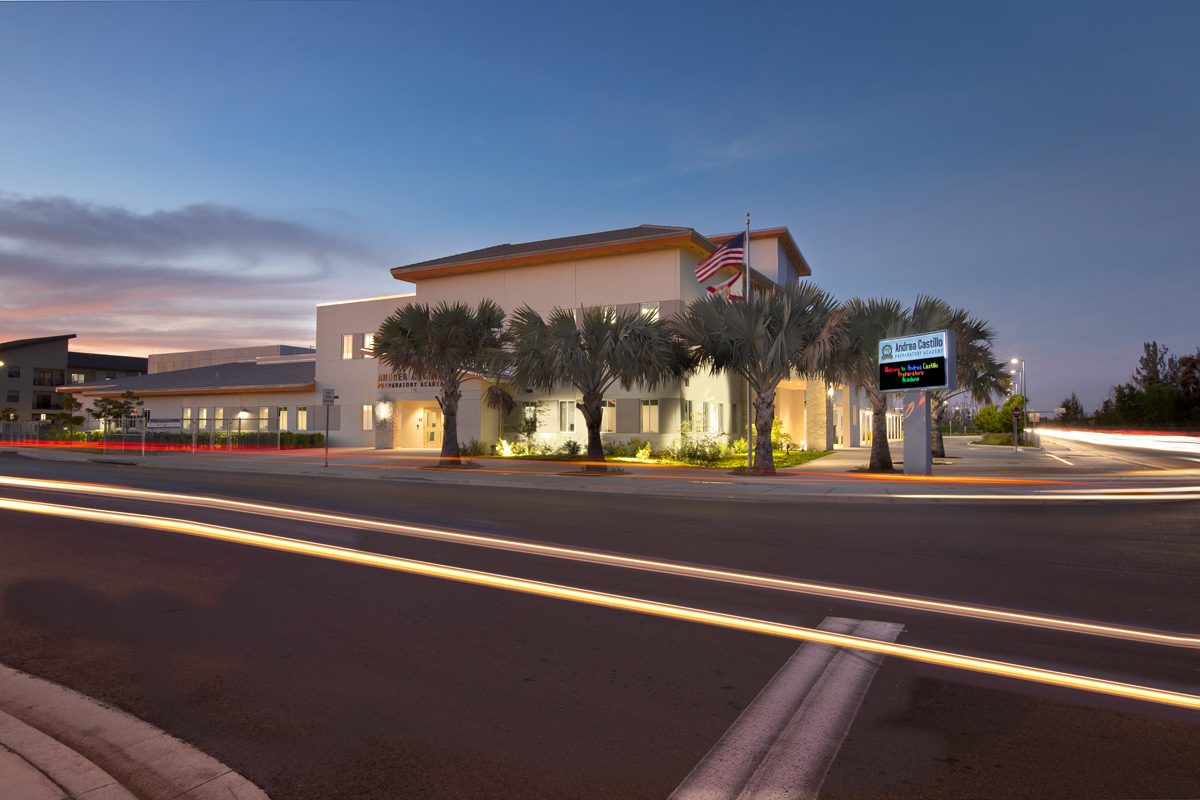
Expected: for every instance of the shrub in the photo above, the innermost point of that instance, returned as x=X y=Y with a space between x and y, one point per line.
x=474 y=447
x=571 y=447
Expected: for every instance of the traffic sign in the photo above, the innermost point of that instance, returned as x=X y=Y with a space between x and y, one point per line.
x=1016 y=413
x=327 y=397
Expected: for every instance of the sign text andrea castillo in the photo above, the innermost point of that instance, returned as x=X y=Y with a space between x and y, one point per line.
x=913 y=363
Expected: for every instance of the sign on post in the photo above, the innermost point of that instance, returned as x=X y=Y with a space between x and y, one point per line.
x=327 y=397
x=1016 y=413
x=917 y=363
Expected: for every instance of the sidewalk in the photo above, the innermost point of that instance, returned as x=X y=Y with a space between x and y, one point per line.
x=968 y=473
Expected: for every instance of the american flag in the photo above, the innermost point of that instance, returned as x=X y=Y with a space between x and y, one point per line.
x=725 y=288
x=730 y=254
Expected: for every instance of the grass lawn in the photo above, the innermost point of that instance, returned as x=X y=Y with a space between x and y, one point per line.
x=1000 y=440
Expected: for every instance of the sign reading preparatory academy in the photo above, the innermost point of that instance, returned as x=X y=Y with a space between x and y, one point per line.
x=925 y=361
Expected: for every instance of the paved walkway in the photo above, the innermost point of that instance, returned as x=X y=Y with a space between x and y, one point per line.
x=55 y=743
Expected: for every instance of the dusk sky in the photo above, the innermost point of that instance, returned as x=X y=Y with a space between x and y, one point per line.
x=182 y=175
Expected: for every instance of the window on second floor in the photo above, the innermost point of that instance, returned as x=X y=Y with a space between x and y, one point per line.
x=650 y=310
x=368 y=343
x=14 y=371
x=347 y=346
x=78 y=377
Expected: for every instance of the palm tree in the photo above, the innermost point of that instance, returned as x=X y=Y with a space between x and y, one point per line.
x=779 y=332
x=442 y=345
x=591 y=351
x=979 y=375
x=857 y=363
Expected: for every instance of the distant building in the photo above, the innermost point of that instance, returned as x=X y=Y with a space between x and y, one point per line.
x=168 y=362
x=269 y=388
x=33 y=370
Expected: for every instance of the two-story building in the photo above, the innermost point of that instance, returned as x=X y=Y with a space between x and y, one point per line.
x=647 y=269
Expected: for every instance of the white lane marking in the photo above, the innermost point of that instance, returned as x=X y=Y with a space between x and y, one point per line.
x=783 y=744
x=1068 y=463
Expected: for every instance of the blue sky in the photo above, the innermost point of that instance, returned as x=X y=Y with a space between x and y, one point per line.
x=191 y=175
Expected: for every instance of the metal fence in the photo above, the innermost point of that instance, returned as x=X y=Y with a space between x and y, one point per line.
x=134 y=436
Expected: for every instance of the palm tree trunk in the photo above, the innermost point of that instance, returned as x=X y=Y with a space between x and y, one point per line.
x=935 y=421
x=764 y=418
x=450 y=456
x=593 y=414
x=881 y=454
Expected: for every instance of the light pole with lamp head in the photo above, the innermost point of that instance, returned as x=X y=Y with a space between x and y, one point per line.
x=1024 y=395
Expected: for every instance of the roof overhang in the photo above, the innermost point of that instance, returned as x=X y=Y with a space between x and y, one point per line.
x=116 y=391
x=690 y=241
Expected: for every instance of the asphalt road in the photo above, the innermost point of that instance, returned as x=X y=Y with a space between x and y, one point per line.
x=318 y=679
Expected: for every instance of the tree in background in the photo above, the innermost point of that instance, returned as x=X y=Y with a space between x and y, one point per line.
x=68 y=415
x=1073 y=413
x=998 y=420
x=1164 y=391
x=8 y=414
x=779 y=332
x=442 y=345
x=592 y=351
x=108 y=409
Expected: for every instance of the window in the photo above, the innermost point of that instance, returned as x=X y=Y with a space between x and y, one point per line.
x=368 y=418
x=14 y=371
x=649 y=416
x=14 y=395
x=720 y=418
x=203 y=412
x=78 y=377
x=368 y=343
x=281 y=418
x=650 y=310
x=685 y=408
x=566 y=416
x=110 y=376
x=264 y=417
x=608 y=416
x=218 y=418
x=347 y=346
x=610 y=310
x=301 y=418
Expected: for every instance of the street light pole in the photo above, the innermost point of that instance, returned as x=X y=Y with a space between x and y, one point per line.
x=1022 y=392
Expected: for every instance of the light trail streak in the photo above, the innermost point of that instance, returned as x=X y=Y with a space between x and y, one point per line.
x=679 y=569
x=620 y=602
x=1161 y=442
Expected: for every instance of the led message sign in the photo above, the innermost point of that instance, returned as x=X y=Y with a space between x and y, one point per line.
x=913 y=363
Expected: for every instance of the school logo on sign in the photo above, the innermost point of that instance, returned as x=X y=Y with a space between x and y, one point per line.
x=886 y=355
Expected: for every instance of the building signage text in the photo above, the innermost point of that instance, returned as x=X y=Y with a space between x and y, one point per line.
x=392 y=380
x=925 y=361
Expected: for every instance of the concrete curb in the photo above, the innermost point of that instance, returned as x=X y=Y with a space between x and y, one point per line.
x=71 y=774
x=98 y=742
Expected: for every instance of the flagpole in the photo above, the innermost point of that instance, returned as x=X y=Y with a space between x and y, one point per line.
x=749 y=391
